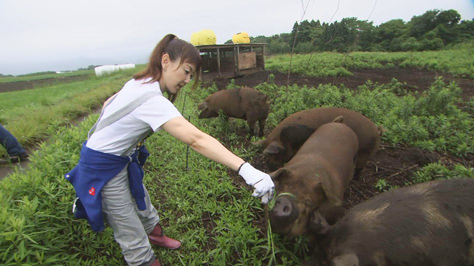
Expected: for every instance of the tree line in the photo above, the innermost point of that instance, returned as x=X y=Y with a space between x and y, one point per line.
x=433 y=30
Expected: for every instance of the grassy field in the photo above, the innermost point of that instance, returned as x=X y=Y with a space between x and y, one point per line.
x=457 y=61
x=35 y=114
x=46 y=75
x=200 y=202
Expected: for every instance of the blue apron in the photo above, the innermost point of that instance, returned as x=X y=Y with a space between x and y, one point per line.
x=91 y=174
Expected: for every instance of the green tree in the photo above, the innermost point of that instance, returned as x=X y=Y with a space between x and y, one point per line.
x=448 y=18
x=430 y=41
x=419 y=25
x=410 y=44
x=430 y=31
x=466 y=30
x=388 y=34
x=447 y=22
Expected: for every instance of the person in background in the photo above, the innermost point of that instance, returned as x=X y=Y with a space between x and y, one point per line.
x=108 y=177
x=15 y=151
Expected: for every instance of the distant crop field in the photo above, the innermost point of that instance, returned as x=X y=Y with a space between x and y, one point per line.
x=33 y=114
x=457 y=61
x=44 y=75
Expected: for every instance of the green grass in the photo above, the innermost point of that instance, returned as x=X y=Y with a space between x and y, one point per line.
x=45 y=75
x=33 y=115
x=218 y=222
x=457 y=61
x=432 y=121
x=200 y=202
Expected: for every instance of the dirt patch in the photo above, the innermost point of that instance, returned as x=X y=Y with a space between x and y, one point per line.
x=7 y=168
x=30 y=84
x=412 y=78
x=395 y=165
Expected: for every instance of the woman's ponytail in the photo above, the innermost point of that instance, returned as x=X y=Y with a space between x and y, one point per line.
x=154 y=67
x=176 y=49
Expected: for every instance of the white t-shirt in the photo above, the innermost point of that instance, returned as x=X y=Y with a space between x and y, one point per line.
x=121 y=136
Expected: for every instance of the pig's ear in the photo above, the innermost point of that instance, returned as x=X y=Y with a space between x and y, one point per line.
x=331 y=213
x=333 y=189
x=295 y=135
x=276 y=175
x=318 y=224
x=273 y=148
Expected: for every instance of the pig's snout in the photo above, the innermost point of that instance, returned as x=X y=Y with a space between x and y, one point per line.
x=283 y=214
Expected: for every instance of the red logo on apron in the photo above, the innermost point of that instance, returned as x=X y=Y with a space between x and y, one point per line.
x=92 y=191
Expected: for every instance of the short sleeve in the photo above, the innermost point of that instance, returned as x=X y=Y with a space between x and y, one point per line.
x=156 y=111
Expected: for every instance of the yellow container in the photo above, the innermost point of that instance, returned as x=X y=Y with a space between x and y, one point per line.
x=203 y=37
x=241 y=37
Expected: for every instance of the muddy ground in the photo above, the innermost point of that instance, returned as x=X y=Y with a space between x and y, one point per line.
x=394 y=164
x=31 y=84
x=7 y=168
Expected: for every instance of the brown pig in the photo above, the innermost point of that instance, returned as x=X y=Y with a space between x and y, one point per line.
x=314 y=180
x=286 y=138
x=244 y=103
x=428 y=224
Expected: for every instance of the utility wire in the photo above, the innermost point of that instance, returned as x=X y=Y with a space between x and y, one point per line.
x=335 y=11
x=334 y=34
x=372 y=11
x=305 y=8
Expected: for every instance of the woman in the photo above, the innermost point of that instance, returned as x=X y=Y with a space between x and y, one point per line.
x=108 y=177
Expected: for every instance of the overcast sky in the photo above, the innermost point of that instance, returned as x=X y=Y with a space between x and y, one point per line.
x=55 y=35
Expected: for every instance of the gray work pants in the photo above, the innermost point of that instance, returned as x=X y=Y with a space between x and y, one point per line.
x=130 y=225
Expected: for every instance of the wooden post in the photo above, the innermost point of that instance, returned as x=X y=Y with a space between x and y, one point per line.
x=219 y=62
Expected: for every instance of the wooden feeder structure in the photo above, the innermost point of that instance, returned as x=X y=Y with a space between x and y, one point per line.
x=231 y=60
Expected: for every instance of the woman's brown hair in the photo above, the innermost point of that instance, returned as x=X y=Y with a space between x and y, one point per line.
x=176 y=49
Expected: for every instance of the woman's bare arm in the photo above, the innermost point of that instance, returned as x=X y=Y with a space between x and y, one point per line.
x=201 y=142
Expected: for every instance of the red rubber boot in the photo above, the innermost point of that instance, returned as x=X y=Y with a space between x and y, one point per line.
x=156 y=263
x=158 y=238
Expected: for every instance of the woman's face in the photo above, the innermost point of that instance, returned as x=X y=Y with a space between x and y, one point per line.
x=174 y=75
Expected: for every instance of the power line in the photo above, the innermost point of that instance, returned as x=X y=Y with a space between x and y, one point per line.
x=372 y=11
x=305 y=8
x=335 y=12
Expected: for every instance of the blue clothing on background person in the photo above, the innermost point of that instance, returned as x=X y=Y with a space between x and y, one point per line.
x=11 y=144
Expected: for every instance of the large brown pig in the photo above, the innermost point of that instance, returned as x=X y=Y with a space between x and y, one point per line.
x=286 y=138
x=245 y=103
x=429 y=224
x=314 y=180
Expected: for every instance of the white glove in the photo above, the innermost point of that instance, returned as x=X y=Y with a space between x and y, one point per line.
x=261 y=181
